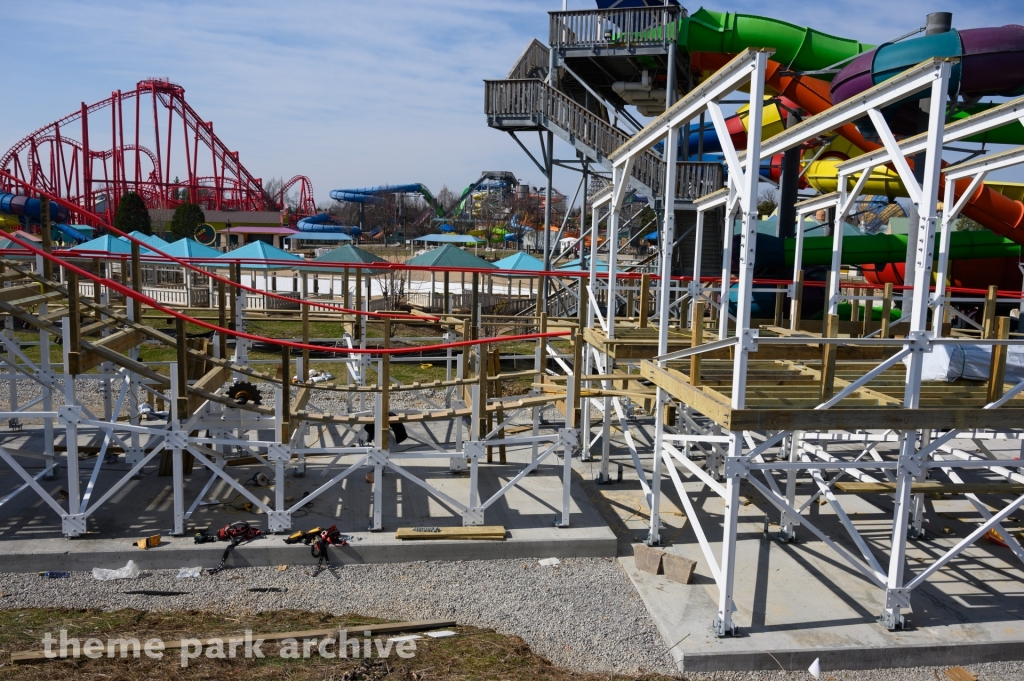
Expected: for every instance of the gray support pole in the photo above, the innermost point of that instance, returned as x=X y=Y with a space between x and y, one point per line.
x=44 y=364
x=788 y=523
x=177 y=462
x=748 y=209
x=723 y=624
x=548 y=172
x=942 y=265
x=566 y=439
x=588 y=350
x=71 y=437
x=723 y=317
x=747 y=187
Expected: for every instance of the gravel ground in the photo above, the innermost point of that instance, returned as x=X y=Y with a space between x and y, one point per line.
x=583 y=614
x=88 y=392
x=992 y=671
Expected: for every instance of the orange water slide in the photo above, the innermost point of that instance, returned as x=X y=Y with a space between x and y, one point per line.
x=1002 y=215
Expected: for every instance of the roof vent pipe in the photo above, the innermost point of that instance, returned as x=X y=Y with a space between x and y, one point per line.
x=938 y=22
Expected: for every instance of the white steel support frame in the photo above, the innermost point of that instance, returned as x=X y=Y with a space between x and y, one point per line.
x=725 y=275
x=231 y=431
x=695 y=290
x=803 y=209
x=691 y=450
x=976 y=171
x=800 y=450
x=746 y=69
x=73 y=417
x=234 y=430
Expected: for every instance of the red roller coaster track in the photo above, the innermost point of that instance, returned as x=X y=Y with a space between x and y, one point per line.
x=306 y=205
x=165 y=152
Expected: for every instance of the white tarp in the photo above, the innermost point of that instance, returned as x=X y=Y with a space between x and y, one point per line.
x=950 y=362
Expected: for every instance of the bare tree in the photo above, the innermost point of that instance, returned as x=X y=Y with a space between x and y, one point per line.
x=767 y=202
x=446 y=198
x=273 y=186
x=392 y=286
x=966 y=224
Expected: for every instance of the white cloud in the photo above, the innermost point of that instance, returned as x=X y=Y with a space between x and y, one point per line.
x=349 y=93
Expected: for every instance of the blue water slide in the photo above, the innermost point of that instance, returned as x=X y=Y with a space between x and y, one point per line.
x=383 y=189
x=371 y=194
x=711 y=143
x=24 y=206
x=353 y=197
x=323 y=223
x=17 y=204
x=712 y=150
x=70 y=232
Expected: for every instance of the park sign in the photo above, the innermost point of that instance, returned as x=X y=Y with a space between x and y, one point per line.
x=205 y=234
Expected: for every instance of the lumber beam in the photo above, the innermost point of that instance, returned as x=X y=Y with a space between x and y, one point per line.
x=210 y=382
x=118 y=342
x=932 y=487
x=478 y=532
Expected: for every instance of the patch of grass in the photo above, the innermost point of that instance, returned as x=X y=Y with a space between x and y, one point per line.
x=475 y=654
x=404 y=372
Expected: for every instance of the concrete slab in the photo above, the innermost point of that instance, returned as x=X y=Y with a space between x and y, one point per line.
x=798 y=602
x=176 y=552
x=30 y=531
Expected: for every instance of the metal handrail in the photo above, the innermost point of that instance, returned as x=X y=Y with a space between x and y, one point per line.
x=632 y=27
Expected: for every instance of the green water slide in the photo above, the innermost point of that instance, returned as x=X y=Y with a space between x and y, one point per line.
x=798 y=47
x=885 y=248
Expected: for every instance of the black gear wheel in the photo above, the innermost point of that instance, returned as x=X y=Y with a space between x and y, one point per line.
x=244 y=392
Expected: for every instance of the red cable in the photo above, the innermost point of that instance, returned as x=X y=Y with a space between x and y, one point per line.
x=131 y=293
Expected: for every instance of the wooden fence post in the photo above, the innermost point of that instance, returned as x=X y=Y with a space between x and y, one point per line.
x=886 y=310
x=828 y=361
x=997 y=370
x=988 y=324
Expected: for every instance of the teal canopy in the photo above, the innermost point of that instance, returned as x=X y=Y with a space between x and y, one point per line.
x=520 y=262
x=259 y=255
x=149 y=239
x=449 y=239
x=189 y=248
x=106 y=244
x=449 y=256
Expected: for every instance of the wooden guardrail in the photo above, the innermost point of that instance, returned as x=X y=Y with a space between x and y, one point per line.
x=632 y=27
x=529 y=98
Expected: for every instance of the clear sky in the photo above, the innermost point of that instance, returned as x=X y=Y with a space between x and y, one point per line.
x=350 y=93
